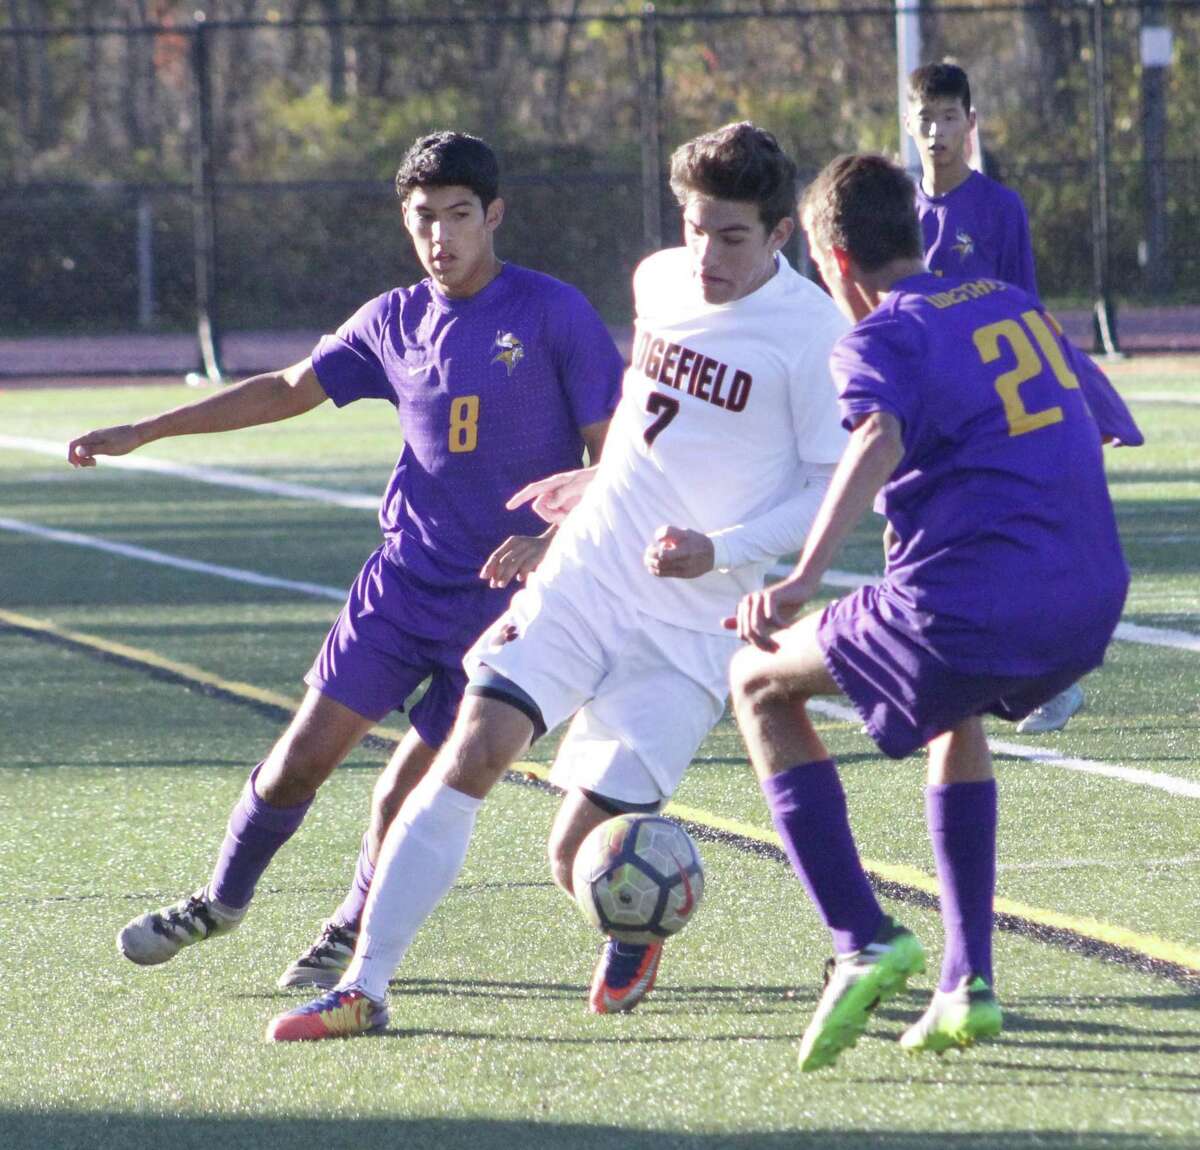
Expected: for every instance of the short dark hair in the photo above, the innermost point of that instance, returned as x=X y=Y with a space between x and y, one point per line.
x=450 y=159
x=738 y=162
x=864 y=205
x=938 y=82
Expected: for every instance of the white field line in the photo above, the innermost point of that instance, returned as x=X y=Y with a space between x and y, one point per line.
x=1173 y=785
x=1101 y=864
x=1168 y=783
x=216 y=476
x=1159 y=397
x=129 y=551
x=219 y=477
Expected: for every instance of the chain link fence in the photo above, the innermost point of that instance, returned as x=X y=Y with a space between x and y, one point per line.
x=238 y=167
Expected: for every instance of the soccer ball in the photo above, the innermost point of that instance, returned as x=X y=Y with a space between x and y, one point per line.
x=638 y=878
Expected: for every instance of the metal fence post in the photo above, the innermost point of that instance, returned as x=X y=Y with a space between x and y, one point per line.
x=1104 y=315
x=1155 y=44
x=649 y=90
x=204 y=212
x=145 y=260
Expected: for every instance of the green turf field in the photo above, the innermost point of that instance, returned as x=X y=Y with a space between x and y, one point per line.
x=136 y=695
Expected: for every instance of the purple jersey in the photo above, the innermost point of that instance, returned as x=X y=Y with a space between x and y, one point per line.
x=1008 y=561
x=491 y=392
x=978 y=230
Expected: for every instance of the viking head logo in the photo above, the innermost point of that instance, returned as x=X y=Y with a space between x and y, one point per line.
x=964 y=245
x=510 y=350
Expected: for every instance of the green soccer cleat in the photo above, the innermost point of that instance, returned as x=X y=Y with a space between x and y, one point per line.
x=955 y=1018
x=161 y=934
x=855 y=984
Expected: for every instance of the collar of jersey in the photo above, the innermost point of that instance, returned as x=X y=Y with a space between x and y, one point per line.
x=445 y=303
x=764 y=292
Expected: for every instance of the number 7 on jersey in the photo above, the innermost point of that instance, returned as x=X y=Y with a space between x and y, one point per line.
x=664 y=408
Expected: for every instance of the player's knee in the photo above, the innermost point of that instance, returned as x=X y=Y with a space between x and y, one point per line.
x=754 y=684
x=292 y=773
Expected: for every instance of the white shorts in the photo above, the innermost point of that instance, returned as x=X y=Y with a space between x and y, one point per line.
x=644 y=693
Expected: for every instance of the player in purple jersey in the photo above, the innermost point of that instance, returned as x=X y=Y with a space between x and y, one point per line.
x=500 y=376
x=970 y=431
x=971 y=225
x=621 y=623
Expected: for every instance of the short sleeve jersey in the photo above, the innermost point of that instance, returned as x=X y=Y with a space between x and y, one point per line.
x=1008 y=551
x=491 y=393
x=979 y=229
x=722 y=405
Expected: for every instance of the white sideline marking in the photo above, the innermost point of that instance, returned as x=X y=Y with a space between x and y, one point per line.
x=1168 y=783
x=1160 y=397
x=1158 y=636
x=219 y=477
x=216 y=476
x=1173 y=785
x=129 y=551
x=1101 y=864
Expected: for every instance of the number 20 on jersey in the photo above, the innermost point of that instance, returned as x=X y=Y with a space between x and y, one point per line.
x=1029 y=363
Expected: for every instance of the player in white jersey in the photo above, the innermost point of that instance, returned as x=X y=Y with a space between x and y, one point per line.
x=716 y=461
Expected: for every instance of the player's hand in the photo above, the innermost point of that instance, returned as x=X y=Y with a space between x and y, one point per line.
x=679 y=553
x=515 y=558
x=82 y=452
x=554 y=496
x=761 y=613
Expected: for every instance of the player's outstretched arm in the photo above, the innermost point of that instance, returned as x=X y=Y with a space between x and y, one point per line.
x=554 y=496
x=875 y=449
x=265 y=398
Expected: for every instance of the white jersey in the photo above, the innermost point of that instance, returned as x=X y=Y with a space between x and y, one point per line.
x=722 y=408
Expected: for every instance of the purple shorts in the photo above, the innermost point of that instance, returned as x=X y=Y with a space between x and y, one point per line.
x=904 y=693
x=371 y=661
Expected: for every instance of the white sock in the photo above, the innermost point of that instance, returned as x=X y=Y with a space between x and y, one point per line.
x=421 y=856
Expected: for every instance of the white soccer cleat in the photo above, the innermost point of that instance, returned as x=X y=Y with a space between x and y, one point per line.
x=322 y=964
x=1054 y=714
x=161 y=934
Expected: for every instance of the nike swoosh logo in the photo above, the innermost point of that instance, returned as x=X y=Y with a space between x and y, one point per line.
x=421 y=369
x=689 y=901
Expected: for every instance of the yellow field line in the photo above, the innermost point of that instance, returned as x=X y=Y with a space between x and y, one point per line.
x=1149 y=945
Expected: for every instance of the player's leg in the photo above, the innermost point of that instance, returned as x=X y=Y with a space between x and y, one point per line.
x=960 y=807
x=804 y=794
x=325 y=961
x=372 y=662
x=625 y=971
x=874 y=955
x=626 y=751
x=530 y=670
x=422 y=855
x=272 y=805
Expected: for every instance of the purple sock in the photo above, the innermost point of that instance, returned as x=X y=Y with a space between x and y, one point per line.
x=255 y=832
x=349 y=914
x=962 y=828
x=808 y=807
